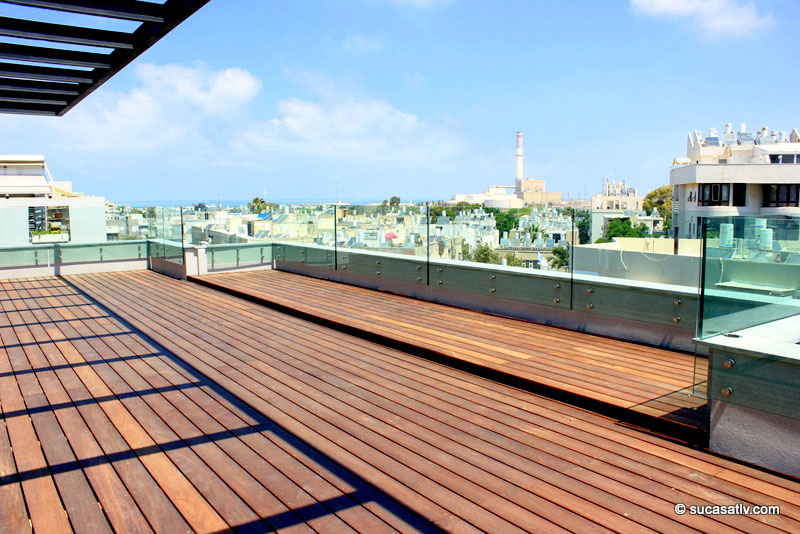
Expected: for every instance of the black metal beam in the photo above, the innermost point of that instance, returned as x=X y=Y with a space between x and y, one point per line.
x=39 y=54
x=60 y=33
x=118 y=9
x=46 y=74
x=32 y=86
x=28 y=109
x=22 y=96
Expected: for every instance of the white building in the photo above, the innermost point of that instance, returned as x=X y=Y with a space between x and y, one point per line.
x=617 y=197
x=735 y=173
x=496 y=196
x=35 y=209
x=618 y=201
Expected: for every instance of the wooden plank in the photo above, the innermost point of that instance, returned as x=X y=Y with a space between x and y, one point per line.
x=372 y=463
x=15 y=516
x=192 y=506
x=116 y=501
x=139 y=285
x=317 y=355
x=47 y=513
x=607 y=381
x=470 y=413
x=121 y=350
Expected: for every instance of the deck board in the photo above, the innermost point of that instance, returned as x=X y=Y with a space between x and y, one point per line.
x=644 y=379
x=458 y=449
x=157 y=383
x=108 y=385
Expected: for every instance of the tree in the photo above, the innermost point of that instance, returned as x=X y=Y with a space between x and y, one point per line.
x=394 y=201
x=584 y=232
x=151 y=213
x=560 y=258
x=484 y=254
x=622 y=228
x=512 y=260
x=257 y=205
x=660 y=199
x=505 y=221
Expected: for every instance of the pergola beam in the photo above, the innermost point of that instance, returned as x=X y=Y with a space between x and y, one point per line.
x=61 y=33
x=45 y=74
x=119 y=9
x=56 y=56
x=33 y=86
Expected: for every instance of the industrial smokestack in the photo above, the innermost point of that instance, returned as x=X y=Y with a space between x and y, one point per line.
x=519 y=156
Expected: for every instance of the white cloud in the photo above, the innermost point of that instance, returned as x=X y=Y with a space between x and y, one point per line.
x=341 y=125
x=215 y=92
x=172 y=104
x=713 y=17
x=360 y=44
x=364 y=129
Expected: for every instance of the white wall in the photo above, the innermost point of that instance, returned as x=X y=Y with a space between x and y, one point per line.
x=14 y=230
x=87 y=224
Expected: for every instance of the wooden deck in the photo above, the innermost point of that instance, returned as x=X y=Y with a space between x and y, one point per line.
x=645 y=380
x=133 y=402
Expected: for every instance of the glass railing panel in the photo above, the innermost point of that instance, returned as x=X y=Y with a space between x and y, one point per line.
x=751 y=272
x=750 y=312
x=163 y=226
x=519 y=254
x=239 y=255
x=28 y=256
x=100 y=252
x=388 y=241
x=124 y=250
x=626 y=266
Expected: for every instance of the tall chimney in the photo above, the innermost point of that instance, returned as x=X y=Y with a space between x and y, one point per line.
x=519 y=156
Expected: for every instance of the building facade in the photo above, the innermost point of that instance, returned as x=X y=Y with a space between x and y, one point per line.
x=735 y=173
x=36 y=209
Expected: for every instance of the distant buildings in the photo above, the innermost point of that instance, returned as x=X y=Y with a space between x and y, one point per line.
x=35 y=209
x=735 y=173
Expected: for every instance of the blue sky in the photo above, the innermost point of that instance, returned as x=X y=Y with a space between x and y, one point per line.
x=360 y=100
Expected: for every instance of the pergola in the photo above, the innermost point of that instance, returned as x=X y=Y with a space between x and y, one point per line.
x=38 y=78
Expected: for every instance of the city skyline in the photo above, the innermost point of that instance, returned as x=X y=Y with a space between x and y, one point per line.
x=362 y=100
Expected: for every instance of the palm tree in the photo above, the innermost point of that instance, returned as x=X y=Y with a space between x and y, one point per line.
x=258 y=205
x=560 y=258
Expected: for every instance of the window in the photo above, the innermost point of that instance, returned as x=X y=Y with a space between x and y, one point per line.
x=784 y=158
x=739 y=195
x=714 y=195
x=50 y=224
x=780 y=195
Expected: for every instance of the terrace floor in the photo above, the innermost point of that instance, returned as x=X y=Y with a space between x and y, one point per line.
x=602 y=374
x=134 y=402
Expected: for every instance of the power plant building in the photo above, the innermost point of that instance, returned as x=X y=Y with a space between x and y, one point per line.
x=524 y=192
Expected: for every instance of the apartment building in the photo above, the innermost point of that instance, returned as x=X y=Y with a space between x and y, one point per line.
x=735 y=173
